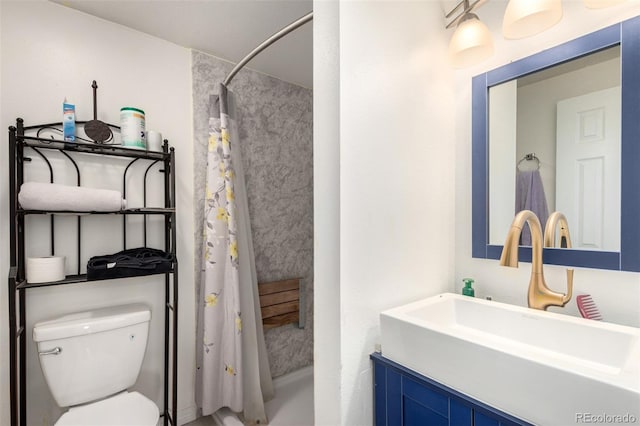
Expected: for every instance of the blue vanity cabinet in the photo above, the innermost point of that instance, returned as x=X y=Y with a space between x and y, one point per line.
x=403 y=397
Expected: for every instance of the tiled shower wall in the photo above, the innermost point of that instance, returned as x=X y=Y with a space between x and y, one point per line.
x=275 y=125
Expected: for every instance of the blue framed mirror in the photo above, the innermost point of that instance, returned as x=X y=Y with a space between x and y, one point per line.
x=606 y=215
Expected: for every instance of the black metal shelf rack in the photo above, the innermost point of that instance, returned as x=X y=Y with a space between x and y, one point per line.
x=19 y=141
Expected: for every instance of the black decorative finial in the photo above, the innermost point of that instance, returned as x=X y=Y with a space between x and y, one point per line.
x=98 y=131
x=95 y=101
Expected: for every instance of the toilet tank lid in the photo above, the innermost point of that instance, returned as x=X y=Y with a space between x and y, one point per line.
x=88 y=322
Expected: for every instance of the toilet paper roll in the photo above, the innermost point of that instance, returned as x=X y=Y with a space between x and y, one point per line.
x=154 y=141
x=45 y=269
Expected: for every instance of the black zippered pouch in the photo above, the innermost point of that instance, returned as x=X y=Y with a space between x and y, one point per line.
x=129 y=263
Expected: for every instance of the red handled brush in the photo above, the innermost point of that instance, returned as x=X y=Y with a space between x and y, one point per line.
x=588 y=308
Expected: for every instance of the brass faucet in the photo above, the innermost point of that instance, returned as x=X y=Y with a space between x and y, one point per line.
x=539 y=295
x=550 y=231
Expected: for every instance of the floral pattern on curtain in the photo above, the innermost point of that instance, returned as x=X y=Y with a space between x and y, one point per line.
x=232 y=362
x=221 y=315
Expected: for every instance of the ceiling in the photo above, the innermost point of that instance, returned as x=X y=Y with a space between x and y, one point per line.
x=227 y=29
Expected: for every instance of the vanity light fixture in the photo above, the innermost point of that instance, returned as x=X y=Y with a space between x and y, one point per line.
x=524 y=18
x=601 y=4
x=471 y=43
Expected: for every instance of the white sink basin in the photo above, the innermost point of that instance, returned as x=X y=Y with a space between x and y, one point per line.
x=542 y=367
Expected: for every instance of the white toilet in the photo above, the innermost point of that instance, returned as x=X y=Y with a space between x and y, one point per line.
x=89 y=359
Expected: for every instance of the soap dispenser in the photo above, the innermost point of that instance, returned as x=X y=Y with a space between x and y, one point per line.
x=468 y=290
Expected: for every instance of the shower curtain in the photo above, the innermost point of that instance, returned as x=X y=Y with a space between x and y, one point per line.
x=232 y=365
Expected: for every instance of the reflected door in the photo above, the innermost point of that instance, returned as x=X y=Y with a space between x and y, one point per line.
x=588 y=168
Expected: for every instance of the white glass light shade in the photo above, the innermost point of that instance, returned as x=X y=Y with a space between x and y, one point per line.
x=471 y=43
x=524 y=18
x=600 y=4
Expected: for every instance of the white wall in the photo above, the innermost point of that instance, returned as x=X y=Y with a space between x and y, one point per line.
x=326 y=204
x=616 y=293
x=49 y=52
x=396 y=186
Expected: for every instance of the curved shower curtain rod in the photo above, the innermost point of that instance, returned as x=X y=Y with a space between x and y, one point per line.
x=268 y=42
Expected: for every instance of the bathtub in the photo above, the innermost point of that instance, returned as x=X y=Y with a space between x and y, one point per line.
x=291 y=406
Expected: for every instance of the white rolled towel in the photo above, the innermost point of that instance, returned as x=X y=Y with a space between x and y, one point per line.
x=54 y=197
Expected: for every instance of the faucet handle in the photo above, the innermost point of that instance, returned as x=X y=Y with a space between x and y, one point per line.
x=567 y=296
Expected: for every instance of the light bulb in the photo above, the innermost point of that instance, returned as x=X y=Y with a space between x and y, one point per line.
x=471 y=42
x=524 y=18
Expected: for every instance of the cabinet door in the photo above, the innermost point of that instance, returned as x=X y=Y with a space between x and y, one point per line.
x=388 y=395
x=416 y=414
x=403 y=401
x=422 y=405
x=379 y=394
x=459 y=414
x=482 y=418
x=406 y=400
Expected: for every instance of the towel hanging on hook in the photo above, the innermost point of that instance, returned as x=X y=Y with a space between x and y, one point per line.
x=529 y=157
x=530 y=194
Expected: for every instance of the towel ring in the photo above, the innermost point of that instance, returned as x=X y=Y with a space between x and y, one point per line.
x=529 y=157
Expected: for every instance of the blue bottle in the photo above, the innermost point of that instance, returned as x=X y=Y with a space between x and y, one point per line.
x=68 y=121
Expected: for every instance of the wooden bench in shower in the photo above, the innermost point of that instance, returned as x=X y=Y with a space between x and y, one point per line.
x=280 y=303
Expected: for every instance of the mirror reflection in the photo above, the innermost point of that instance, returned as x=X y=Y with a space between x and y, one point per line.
x=554 y=145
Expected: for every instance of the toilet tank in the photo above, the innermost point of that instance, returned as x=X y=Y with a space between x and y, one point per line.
x=90 y=355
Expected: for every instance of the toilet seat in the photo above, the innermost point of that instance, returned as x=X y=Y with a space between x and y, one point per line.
x=123 y=409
